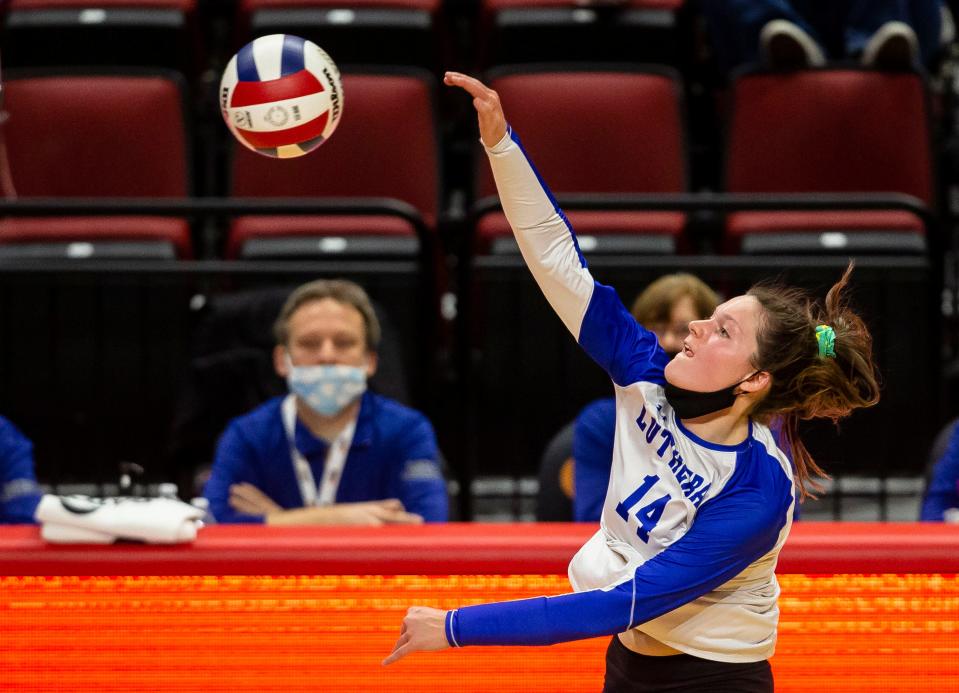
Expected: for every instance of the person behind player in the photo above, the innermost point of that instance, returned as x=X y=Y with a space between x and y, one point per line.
x=681 y=571
x=665 y=308
x=19 y=492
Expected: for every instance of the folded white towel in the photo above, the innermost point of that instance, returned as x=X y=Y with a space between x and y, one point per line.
x=65 y=534
x=153 y=520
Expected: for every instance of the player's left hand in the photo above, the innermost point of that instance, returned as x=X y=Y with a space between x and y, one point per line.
x=423 y=630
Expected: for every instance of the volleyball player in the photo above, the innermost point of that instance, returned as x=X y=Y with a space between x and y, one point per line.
x=681 y=571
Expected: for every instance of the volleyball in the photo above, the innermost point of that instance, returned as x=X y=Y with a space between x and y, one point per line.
x=281 y=96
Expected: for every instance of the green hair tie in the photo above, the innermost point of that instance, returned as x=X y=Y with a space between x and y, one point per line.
x=826 y=339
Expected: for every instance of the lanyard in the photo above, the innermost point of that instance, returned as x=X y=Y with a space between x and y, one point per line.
x=332 y=468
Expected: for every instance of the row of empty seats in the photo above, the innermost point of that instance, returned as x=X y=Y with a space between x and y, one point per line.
x=176 y=33
x=99 y=136
x=614 y=132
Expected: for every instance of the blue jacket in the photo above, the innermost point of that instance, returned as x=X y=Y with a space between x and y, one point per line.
x=593 y=457
x=943 y=490
x=393 y=455
x=19 y=493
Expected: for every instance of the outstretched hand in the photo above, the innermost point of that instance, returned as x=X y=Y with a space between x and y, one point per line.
x=423 y=630
x=492 y=121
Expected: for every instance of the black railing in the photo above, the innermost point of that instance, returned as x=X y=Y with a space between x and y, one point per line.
x=735 y=202
x=69 y=368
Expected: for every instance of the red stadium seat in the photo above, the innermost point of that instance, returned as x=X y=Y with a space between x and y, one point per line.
x=96 y=136
x=385 y=147
x=403 y=32
x=597 y=132
x=829 y=131
x=157 y=33
x=513 y=31
x=496 y=5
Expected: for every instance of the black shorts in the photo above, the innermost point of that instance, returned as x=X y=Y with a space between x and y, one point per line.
x=630 y=672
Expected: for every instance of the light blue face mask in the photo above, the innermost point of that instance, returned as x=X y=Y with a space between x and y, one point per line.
x=327 y=390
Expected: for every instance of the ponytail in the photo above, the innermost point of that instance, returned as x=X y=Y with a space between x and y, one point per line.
x=828 y=375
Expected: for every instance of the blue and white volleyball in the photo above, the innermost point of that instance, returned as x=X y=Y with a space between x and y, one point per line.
x=281 y=96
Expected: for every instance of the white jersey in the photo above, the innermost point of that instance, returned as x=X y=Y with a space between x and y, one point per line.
x=690 y=533
x=736 y=621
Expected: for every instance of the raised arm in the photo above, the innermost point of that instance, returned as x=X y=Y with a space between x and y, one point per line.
x=592 y=312
x=542 y=231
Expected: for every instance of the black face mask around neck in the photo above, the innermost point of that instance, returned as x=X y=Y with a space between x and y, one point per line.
x=689 y=404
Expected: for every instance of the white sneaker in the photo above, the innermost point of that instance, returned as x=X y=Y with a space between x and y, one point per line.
x=784 y=46
x=893 y=47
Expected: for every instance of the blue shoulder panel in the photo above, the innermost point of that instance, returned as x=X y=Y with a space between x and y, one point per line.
x=625 y=349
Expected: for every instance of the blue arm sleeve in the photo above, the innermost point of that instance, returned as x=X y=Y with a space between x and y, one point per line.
x=232 y=464
x=421 y=483
x=943 y=490
x=624 y=348
x=19 y=492
x=592 y=458
x=730 y=532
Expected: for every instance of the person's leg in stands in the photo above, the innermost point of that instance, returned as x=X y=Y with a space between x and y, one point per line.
x=893 y=34
x=776 y=33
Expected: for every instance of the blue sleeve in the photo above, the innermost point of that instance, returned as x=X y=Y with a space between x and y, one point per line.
x=943 y=490
x=19 y=492
x=421 y=483
x=232 y=464
x=625 y=349
x=730 y=532
x=592 y=458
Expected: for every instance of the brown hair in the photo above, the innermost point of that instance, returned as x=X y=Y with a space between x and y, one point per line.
x=657 y=300
x=804 y=384
x=341 y=291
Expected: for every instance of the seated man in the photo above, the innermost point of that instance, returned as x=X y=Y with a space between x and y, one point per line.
x=19 y=493
x=330 y=452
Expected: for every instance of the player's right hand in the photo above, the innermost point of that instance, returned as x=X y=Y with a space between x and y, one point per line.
x=423 y=630
x=492 y=121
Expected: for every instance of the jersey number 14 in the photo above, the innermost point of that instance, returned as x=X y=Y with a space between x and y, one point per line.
x=649 y=514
